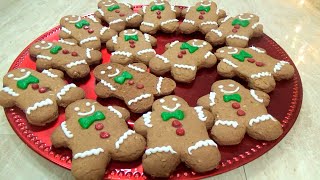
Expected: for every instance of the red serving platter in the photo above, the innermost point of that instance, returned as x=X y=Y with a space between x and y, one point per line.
x=285 y=105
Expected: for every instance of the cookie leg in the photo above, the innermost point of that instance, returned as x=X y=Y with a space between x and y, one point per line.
x=183 y=73
x=77 y=71
x=164 y=86
x=227 y=132
x=169 y=26
x=148 y=27
x=42 y=112
x=188 y=27
x=121 y=57
x=139 y=103
x=68 y=94
x=145 y=55
x=134 y=20
x=262 y=82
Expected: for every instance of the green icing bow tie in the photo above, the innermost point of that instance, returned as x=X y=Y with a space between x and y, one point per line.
x=86 y=122
x=120 y=79
x=82 y=23
x=113 y=7
x=178 y=114
x=204 y=8
x=157 y=7
x=55 y=49
x=242 y=55
x=243 y=23
x=24 y=83
x=190 y=48
x=231 y=97
x=131 y=37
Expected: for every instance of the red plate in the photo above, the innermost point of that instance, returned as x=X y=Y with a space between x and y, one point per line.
x=285 y=105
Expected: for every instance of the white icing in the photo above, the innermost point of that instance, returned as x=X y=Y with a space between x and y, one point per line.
x=212 y=97
x=23 y=77
x=76 y=63
x=234 y=124
x=235 y=50
x=174 y=43
x=174 y=99
x=184 y=66
x=92 y=18
x=159 y=84
x=146 y=51
x=169 y=21
x=171 y=109
x=123 y=53
x=200 y=144
x=50 y=74
x=46 y=47
x=173 y=8
x=101 y=12
x=130 y=34
x=92 y=110
x=65 y=130
x=75 y=21
x=230 y=63
x=188 y=9
x=258 y=50
x=10 y=91
x=209 y=22
x=66 y=42
x=147 y=24
x=166 y=149
x=261 y=119
x=40 y=104
x=146 y=37
x=139 y=98
x=144 y=9
x=255 y=25
x=164 y=59
x=65 y=30
x=132 y=16
x=90 y=152
x=115 y=21
x=260 y=74
x=201 y=116
x=216 y=31
x=238 y=37
x=217 y=11
x=107 y=5
x=279 y=65
x=162 y=101
x=147 y=119
x=226 y=19
x=114 y=74
x=255 y=96
x=136 y=68
x=228 y=92
x=115 y=111
x=241 y=18
x=127 y=4
x=115 y=39
x=44 y=57
x=197 y=45
x=10 y=75
x=65 y=89
x=123 y=137
x=88 y=53
x=106 y=84
x=209 y=53
x=103 y=30
x=189 y=21
x=94 y=38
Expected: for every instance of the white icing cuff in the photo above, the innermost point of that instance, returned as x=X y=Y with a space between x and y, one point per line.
x=189 y=21
x=115 y=111
x=238 y=37
x=279 y=66
x=121 y=53
x=115 y=21
x=261 y=119
x=212 y=97
x=44 y=57
x=164 y=59
x=10 y=91
x=200 y=144
x=184 y=66
x=230 y=63
x=108 y=85
x=261 y=74
x=132 y=16
x=255 y=96
x=209 y=53
x=76 y=63
x=90 y=152
x=66 y=42
x=209 y=23
x=146 y=51
x=65 y=89
x=94 y=38
x=103 y=30
x=169 y=21
x=123 y=137
x=139 y=98
x=166 y=149
x=147 y=119
x=232 y=123
x=65 y=30
x=201 y=116
x=49 y=74
x=136 y=68
x=40 y=104
x=159 y=84
x=217 y=32
x=147 y=24
x=258 y=50
x=65 y=130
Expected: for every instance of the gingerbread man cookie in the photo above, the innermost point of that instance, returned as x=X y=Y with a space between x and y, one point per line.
x=236 y=31
x=87 y=31
x=183 y=59
x=177 y=133
x=131 y=83
x=159 y=15
x=253 y=65
x=132 y=46
x=97 y=134
x=118 y=15
x=201 y=17
x=238 y=110
x=65 y=55
x=38 y=94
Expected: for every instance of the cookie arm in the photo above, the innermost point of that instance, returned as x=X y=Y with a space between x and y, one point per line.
x=68 y=94
x=61 y=135
x=209 y=60
x=110 y=44
x=204 y=116
x=204 y=101
x=53 y=73
x=150 y=39
x=7 y=97
x=139 y=67
x=106 y=33
x=172 y=44
x=159 y=64
x=260 y=96
x=221 y=14
x=120 y=112
x=65 y=33
x=143 y=123
x=257 y=30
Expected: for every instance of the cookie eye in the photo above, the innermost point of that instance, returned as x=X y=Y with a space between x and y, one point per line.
x=241 y=14
x=73 y=16
x=10 y=75
x=174 y=99
x=102 y=72
x=195 y=40
x=204 y=43
x=37 y=46
x=133 y=30
x=22 y=70
x=220 y=86
x=67 y=19
x=103 y=2
x=77 y=109
x=162 y=100
x=109 y=67
x=231 y=85
x=125 y=31
x=251 y=15
x=43 y=42
x=229 y=47
x=88 y=104
x=221 y=51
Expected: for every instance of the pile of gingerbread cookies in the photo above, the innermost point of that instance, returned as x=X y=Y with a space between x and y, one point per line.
x=170 y=131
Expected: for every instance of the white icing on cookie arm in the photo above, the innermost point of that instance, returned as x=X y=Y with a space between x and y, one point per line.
x=202 y=143
x=123 y=138
x=65 y=33
x=207 y=101
x=163 y=149
x=87 y=153
x=149 y=38
x=143 y=123
x=260 y=96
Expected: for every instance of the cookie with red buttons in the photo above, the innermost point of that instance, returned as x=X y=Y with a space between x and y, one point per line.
x=38 y=94
x=96 y=134
x=177 y=133
x=65 y=55
x=237 y=111
x=132 y=83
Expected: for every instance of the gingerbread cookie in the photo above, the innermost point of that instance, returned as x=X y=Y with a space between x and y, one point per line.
x=203 y=17
x=177 y=133
x=183 y=59
x=236 y=31
x=118 y=15
x=253 y=65
x=159 y=15
x=132 y=46
x=87 y=31
x=238 y=110
x=96 y=134
x=38 y=94
x=65 y=55
x=131 y=83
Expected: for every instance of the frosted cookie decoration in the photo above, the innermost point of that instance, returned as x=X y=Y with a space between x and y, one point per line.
x=87 y=31
x=132 y=46
x=236 y=31
x=38 y=94
x=237 y=111
x=203 y=17
x=66 y=56
x=132 y=84
x=159 y=15
x=183 y=59
x=119 y=16
x=177 y=133
x=254 y=65
x=96 y=134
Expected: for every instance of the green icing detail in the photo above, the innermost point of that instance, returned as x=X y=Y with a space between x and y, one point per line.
x=131 y=37
x=178 y=114
x=204 y=8
x=232 y=97
x=190 y=48
x=243 y=23
x=157 y=7
x=55 y=49
x=86 y=122
x=24 y=83
x=114 y=7
x=242 y=55
x=82 y=23
x=125 y=75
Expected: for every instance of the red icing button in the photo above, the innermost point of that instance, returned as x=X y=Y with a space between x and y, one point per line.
x=43 y=90
x=104 y=135
x=241 y=112
x=140 y=86
x=180 y=55
x=131 y=41
x=117 y=11
x=236 y=105
x=131 y=82
x=183 y=52
x=259 y=64
x=121 y=14
x=158 y=12
x=180 y=131
x=132 y=45
x=86 y=27
x=35 y=86
x=99 y=126
x=65 y=51
x=200 y=17
x=251 y=60
x=237 y=26
x=202 y=12
x=74 y=54
x=90 y=31
x=176 y=123
x=158 y=16
x=234 y=30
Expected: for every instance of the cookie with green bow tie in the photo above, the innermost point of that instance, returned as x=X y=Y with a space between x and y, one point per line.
x=238 y=111
x=235 y=31
x=38 y=94
x=183 y=59
x=254 y=65
x=177 y=133
x=132 y=83
x=96 y=135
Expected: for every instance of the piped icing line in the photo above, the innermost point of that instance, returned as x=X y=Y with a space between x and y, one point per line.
x=65 y=89
x=209 y=53
x=66 y=42
x=146 y=51
x=147 y=119
x=103 y=30
x=201 y=116
x=147 y=24
x=88 y=53
x=279 y=65
x=260 y=74
x=108 y=85
x=146 y=37
x=115 y=21
x=232 y=123
x=255 y=96
x=122 y=53
x=184 y=66
x=139 y=98
x=10 y=91
x=173 y=43
x=166 y=149
x=230 y=63
x=216 y=31
x=90 y=152
x=169 y=21
x=127 y=4
x=144 y=9
x=164 y=59
x=258 y=50
x=226 y=19
x=200 y=144
x=159 y=84
x=115 y=39
x=76 y=63
x=27 y=74
x=189 y=21
x=136 y=68
x=94 y=38
x=235 y=50
x=232 y=36
x=92 y=18
x=261 y=119
x=132 y=16
x=49 y=74
x=254 y=25
x=44 y=57
x=39 y=104
x=188 y=8
x=65 y=30
x=212 y=97
x=209 y=22
x=173 y=8
x=101 y=12
x=75 y=21
x=115 y=111
x=123 y=137
x=65 y=130
x=217 y=11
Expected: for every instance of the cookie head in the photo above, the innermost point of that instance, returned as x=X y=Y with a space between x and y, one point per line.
x=107 y=3
x=108 y=72
x=40 y=46
x=248 y=16
x=82 y=108
x=17 y=75
x=130 y=33
x=201 y=44
x=170 y=104
x=70 y=19
x=226 y=87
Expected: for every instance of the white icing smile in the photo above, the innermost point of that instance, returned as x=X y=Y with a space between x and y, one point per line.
x=114 y=74
x=241 y=18
x=130 y=34
x=93 y=109
x=235 y=50
x=24 y=76
x=200 y=46
x=171 y=109
x=73 y=22
x=45 y=47
x=107 y=5
x=206 y=4
x=229 y=92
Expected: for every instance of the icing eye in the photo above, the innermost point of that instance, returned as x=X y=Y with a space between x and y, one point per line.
x=37 y=46
x=174 y=99
x=221 y=51
x=125 y=31
x=195 y=40
x=10 y=75
x=231 y=85
x=220 y=86
x=109 y=67
x=102 y=72
x=22 y=70
x=229 y=47
x=43 y=42
x=67 y=19
x=251 y=15
x=204 y=43
x=103 y=2
x=133 y=30
x=241 y=14
x=77 y=109
x=88 y=104
x=162 y=100
x=73 y=16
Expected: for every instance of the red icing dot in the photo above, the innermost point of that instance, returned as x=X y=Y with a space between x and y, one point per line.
x=90 y=31
x=237 y=26
x=202 y=12
x=99 y=126
x=131 y=82
x=176 y=123
x=183 y=52
x=132 y=45
x=131 y=41
x=121 y=14
x=43 y=90
x=35 y=86
x=251 y=60
x=241 y=112
x=158 y=16
x=65 y=51
x=117 y=11
x=180 y=132
x=200 y=17
x=74 y=54
x=140 y=86
x=86 y=27
x=104 y=135
x=259 y=64
x=158 y=12
x=234 y=30
x=235 y=105
x=180 y=55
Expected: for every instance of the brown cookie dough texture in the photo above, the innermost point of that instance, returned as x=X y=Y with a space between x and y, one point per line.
x=159 y=15
x=65 y=55
x=118 y=15
x=132 y=46
x=254 y=65
x=203 y=17
x=87 y=31
x=177 y=133
x=96 y=134
x=183 y=59
x=237 y=111
x=131 y=83
x=38 y=94
x=236 y=31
